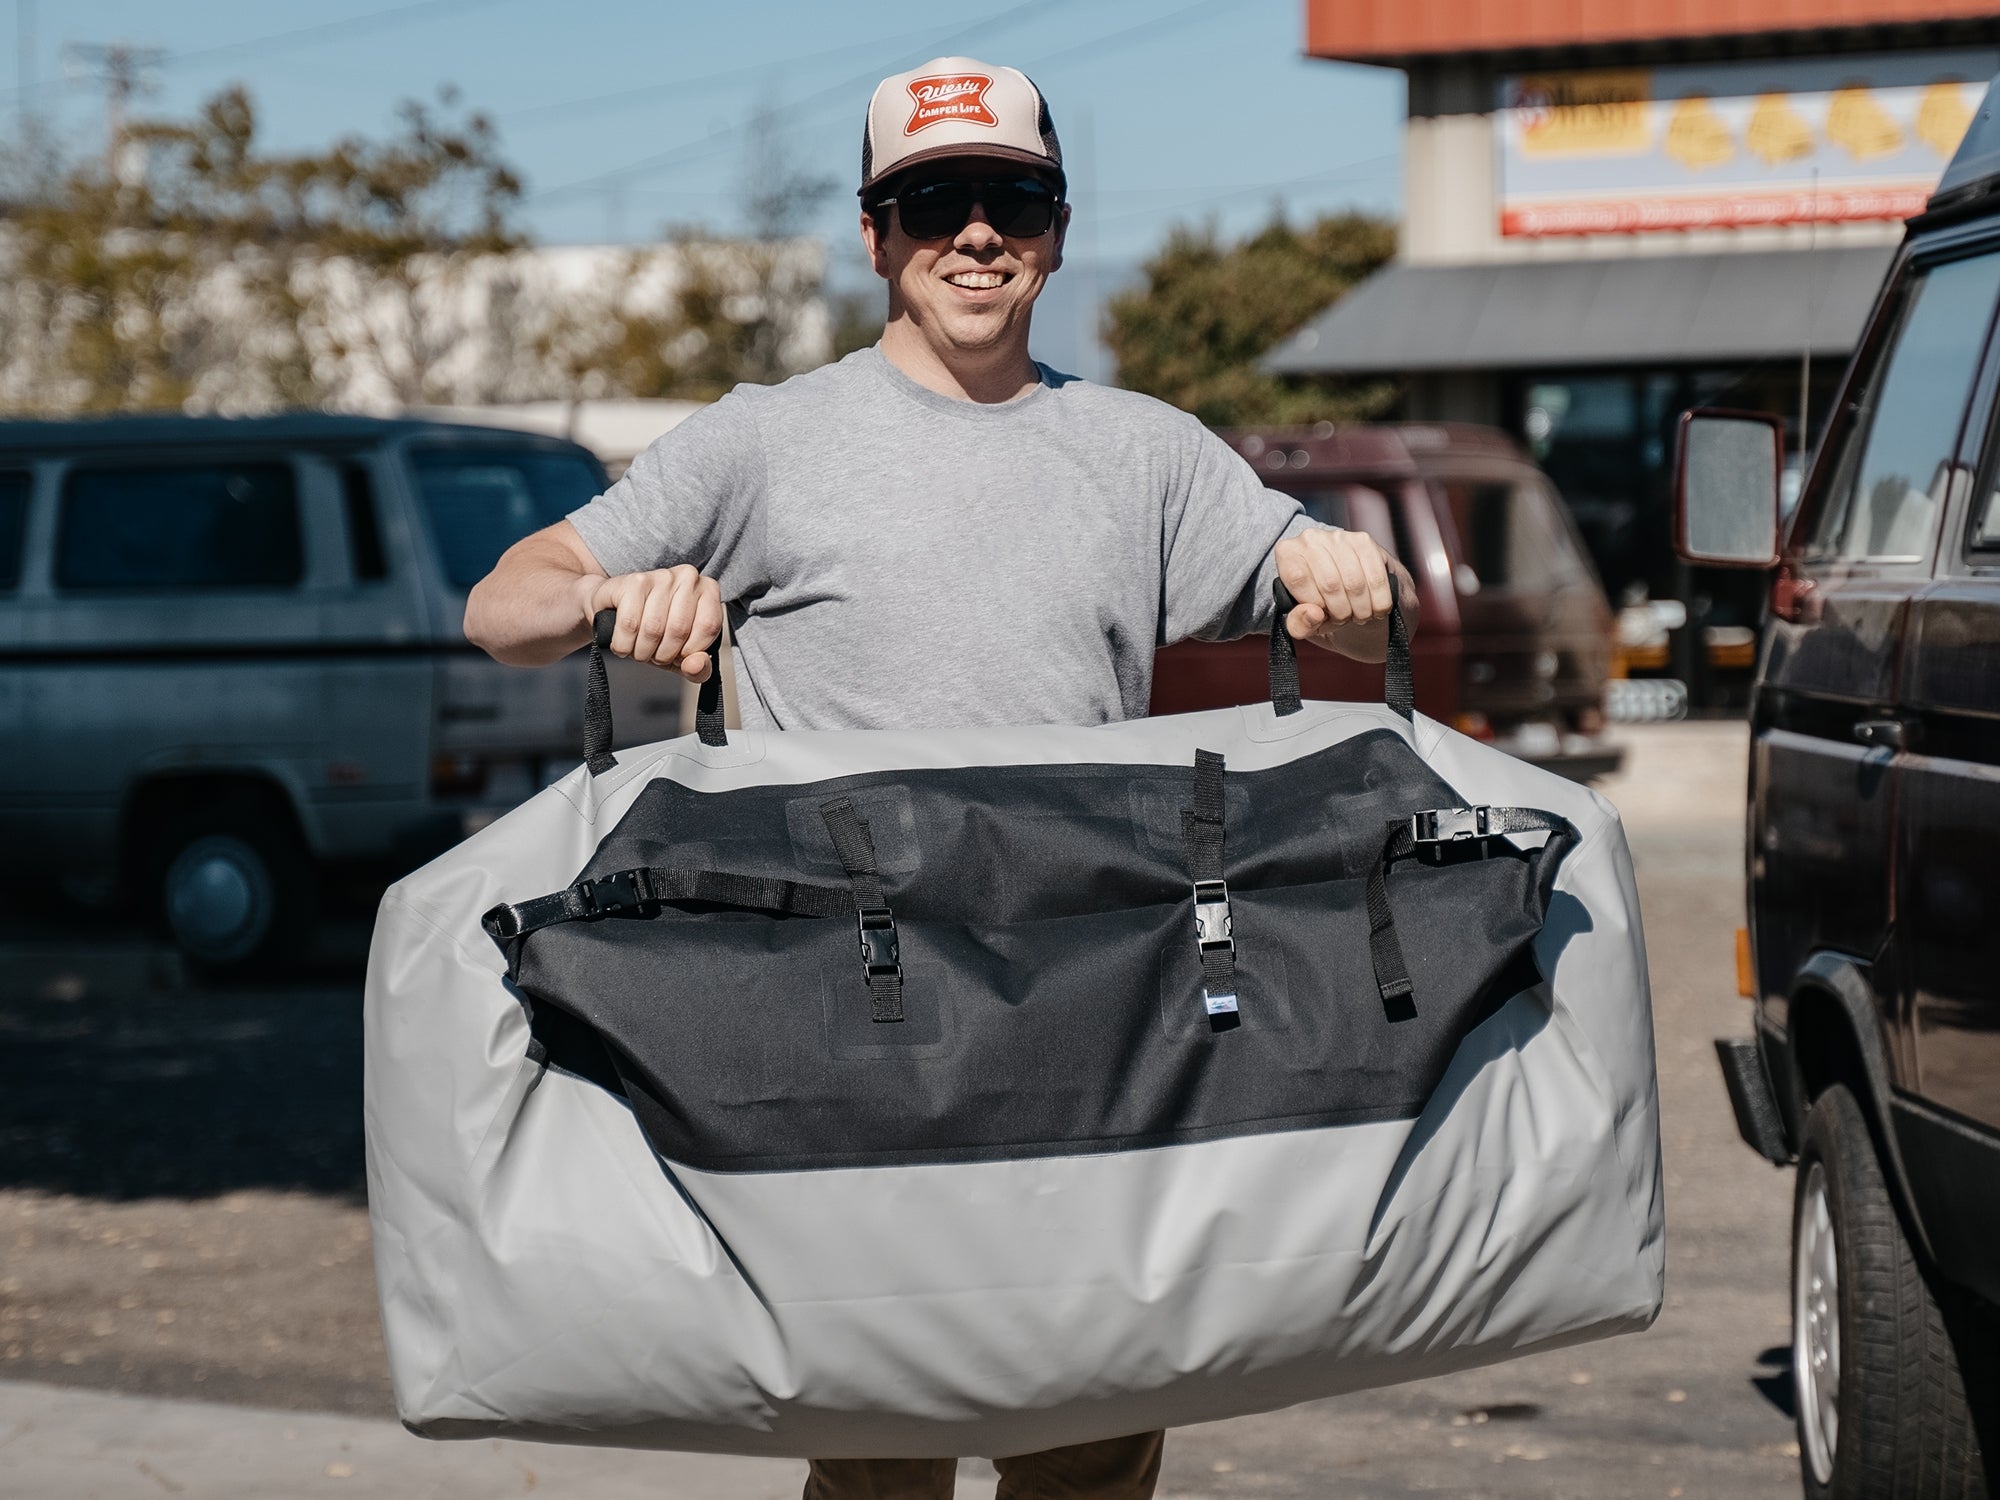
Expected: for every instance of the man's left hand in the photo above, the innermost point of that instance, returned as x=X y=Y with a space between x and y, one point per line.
x=1341 y=582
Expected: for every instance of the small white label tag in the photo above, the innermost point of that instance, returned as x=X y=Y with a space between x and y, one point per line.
x=1219 y=1005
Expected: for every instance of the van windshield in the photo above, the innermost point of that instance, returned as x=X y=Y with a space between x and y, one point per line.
x=480 y=501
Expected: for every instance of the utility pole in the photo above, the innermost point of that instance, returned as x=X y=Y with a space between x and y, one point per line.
x=1089 y=351
x=121 y=69
x=24 y=40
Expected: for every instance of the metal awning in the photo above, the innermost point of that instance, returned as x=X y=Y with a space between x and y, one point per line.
x=1623 y=310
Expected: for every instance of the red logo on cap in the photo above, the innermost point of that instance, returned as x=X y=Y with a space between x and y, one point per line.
x=950 y=96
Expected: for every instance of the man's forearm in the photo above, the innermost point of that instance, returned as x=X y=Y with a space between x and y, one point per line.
x=532 y=608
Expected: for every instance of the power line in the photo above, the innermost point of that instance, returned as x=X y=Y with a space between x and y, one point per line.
x=1345 y=169
x=595 y=103
x=1143 y=28
x=708 y=146
x=282 y=40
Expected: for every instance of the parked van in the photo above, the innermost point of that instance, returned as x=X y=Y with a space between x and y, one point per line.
x=1873 y=946
x=1516 y=638
x=231 y=657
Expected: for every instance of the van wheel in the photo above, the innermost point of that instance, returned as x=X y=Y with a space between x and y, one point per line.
x=235 y=889
x=1881 y=1403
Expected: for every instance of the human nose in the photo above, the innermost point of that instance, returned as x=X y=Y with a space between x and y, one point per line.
x=978 y=234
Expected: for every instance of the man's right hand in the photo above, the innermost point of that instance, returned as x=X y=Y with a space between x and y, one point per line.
x=668 y=617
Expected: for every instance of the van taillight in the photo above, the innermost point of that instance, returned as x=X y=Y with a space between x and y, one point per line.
x=1789 y=594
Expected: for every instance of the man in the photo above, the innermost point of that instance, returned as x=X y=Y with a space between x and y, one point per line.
x=939 y=531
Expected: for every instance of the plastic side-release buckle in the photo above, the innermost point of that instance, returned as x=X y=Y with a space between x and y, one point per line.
x=1214 y=933
x=880 y=952
x=1451 y=825
x=1213 y=927
x=612 y=895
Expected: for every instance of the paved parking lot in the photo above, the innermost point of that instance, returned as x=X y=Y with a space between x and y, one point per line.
x=181 y=1211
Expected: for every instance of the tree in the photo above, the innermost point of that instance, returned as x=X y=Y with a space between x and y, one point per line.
x=727 y=309
x=394 y=235
x=779 y=201
x=191 y=269
x=194 y=269
x=1192 y=335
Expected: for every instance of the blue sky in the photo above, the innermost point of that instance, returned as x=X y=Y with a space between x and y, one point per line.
x=624 y=115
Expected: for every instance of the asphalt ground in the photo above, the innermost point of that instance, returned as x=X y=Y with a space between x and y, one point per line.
x=182 y=1217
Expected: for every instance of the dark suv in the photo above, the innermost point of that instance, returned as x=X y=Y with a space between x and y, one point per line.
x=1873 y=951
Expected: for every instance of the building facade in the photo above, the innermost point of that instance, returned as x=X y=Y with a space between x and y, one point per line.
x=1614 y=212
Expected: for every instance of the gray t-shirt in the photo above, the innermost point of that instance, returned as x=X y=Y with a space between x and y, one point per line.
x=894 y=558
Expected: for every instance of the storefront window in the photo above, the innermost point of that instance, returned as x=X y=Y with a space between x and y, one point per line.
x=1590 y=434
x=1607 y=440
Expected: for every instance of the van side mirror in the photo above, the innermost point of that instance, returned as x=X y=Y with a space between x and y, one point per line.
x=1727 y=477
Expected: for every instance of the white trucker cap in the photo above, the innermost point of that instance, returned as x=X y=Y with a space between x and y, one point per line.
x=957 y=106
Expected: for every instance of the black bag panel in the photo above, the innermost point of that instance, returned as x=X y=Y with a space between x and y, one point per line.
x=745 y=1042
x=887 y=808
x=1052 y=986
x=987 y=844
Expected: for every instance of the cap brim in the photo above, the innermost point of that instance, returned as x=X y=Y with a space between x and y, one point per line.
x=947 y=153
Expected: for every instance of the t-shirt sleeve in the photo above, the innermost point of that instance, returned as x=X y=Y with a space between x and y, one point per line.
x=1221 y=524
x=696 y=495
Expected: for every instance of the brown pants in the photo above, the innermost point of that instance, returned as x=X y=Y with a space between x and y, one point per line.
x=1116 y=1469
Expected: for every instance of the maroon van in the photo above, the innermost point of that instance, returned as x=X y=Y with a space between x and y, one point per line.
x=1516 y=636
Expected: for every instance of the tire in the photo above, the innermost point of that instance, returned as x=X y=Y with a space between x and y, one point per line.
x=234 y=889
x=1881 y=1403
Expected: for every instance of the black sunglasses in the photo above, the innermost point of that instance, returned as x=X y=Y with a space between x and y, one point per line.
x=1022 y=207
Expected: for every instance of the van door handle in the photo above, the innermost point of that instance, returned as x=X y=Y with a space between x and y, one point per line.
x=1888 y=734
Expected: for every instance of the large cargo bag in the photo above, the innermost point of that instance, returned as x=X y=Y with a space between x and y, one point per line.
x=921 y=1094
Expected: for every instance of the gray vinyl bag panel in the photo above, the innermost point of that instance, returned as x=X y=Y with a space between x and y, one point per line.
x=657 y=1160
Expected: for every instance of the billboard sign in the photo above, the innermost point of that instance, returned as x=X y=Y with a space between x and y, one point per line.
x=1731 y=144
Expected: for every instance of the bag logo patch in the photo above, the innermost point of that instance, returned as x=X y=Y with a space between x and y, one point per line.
x=950 y=96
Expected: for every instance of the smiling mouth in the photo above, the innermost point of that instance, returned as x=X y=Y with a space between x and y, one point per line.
x=978 y=281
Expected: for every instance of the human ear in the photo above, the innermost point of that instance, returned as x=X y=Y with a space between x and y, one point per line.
x=1062 y=233
x=875 y=241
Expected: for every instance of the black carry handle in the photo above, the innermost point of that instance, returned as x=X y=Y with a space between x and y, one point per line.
x=597 y=699
x=1398 y=684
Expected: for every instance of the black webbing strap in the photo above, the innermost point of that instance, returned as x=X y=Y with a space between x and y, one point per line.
x=881 y=954
x=1398 y=682
x=1385 y=951
x=708 y=703
x=1433 y=829
x=641 y=892
x=1284 y=666
x=597 y=699
x=1202 y=827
